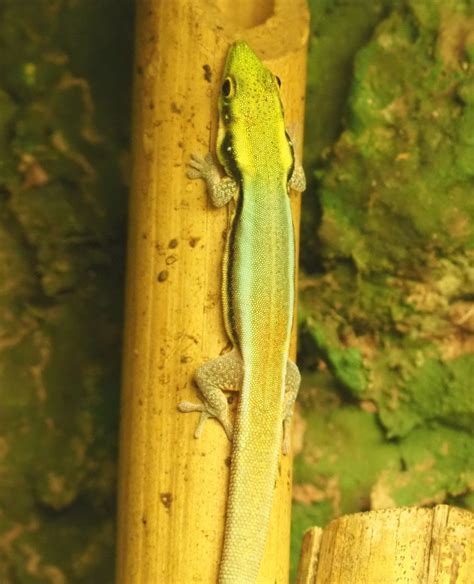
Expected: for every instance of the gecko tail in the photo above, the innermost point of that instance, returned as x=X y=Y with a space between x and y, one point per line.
x=255 y=455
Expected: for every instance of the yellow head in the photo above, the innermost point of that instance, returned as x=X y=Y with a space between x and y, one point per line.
x=251 y=123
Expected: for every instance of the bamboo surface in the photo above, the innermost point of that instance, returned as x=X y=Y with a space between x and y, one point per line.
x=172 y=487
x=407 y=545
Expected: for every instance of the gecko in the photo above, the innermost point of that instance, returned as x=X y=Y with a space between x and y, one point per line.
x=258 y=290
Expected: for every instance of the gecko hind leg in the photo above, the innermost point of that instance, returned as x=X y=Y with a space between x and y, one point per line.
x=292 y=385
x=224 y=373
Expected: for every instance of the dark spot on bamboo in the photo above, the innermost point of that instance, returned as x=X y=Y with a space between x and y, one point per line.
x=207 y=73
x=166 y=499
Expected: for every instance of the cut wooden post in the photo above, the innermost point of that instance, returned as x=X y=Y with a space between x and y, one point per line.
x=173 y=488
x=408 y=545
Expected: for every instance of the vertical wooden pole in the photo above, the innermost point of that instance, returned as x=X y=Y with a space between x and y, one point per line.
x=173 y=488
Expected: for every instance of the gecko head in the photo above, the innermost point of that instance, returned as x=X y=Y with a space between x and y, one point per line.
x=249 y=90
x=250 y=108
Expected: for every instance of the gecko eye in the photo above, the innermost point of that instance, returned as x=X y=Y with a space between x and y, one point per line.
x=228 y=87
x=278 y=80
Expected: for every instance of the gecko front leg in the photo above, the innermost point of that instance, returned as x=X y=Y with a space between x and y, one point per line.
x=297 y=181
x=292 y=385
x=221 y=189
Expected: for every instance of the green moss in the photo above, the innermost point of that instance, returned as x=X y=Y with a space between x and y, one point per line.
x=62 y=216
x=338 y=30
x=466 y=92
x=435 y=391
x=343 y=455
x=467 y=501
x=337 y=444
x=400 y=130
x=330 y=65
x=438 y=463
x=345 y=364
x=389 y=310
x=7 y=111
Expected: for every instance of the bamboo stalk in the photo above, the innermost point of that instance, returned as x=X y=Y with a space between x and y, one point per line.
x=172 y=490
x=391 y=546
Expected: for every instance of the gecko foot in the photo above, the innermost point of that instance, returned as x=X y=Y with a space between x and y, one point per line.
x=199 y=167
x=206 y=414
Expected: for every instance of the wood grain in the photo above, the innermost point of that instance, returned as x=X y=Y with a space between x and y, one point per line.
x=392 y=546
x=172 y=488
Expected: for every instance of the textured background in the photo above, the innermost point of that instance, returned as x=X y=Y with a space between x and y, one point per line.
x=387 y=284
x=387 y=312
x=65 y=70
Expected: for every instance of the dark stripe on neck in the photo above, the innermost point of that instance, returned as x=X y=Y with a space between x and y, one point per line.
x=292 y=167
x=228 y=156
x=231 y=267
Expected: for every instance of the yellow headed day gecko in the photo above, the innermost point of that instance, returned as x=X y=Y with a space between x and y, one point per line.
x=258 y=299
